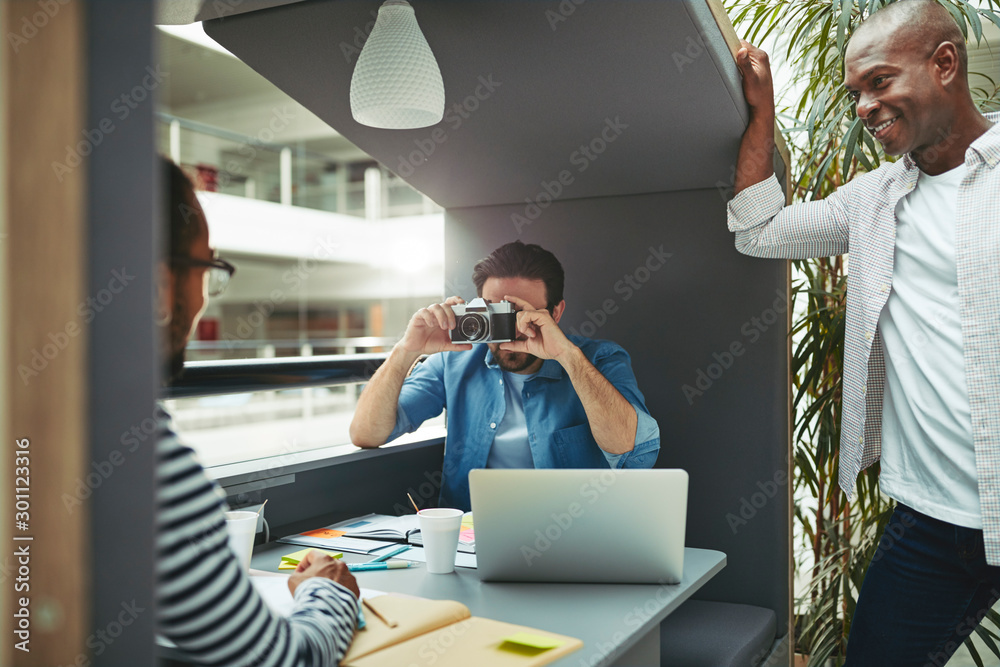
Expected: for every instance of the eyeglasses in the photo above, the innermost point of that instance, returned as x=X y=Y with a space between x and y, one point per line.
x=219 y=272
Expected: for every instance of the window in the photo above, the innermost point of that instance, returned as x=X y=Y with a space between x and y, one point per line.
x=333 y=253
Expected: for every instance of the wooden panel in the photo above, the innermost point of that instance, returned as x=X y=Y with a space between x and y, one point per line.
x=6 y=464
x=733 y=42
x=43 y=90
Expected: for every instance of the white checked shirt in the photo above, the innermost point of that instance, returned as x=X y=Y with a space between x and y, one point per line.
x=860 y=218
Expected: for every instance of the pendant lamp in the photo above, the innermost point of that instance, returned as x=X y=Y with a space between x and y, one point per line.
x=397 y=83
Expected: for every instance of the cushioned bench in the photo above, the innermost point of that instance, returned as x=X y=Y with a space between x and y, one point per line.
x=716 y=634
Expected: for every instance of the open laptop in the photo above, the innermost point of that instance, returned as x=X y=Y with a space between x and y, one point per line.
x=608 y=526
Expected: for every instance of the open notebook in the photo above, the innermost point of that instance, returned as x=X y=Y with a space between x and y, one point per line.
x=447 y=631
x=372 y=532
x=423 y=628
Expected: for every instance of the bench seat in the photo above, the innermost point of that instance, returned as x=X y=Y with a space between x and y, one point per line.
x=716 y=634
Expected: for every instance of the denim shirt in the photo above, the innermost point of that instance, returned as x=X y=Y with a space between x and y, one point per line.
x=469 y=384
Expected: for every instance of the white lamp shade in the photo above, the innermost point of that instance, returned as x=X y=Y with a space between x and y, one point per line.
x=397 y=83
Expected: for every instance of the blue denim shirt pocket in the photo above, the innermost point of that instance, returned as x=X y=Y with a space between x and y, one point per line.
x=575 y=447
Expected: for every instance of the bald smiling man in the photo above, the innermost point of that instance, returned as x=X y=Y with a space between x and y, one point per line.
x=921 y=385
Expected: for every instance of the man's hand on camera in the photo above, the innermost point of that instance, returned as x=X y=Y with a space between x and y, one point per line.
x=429 y=330
x=319 y=564
x=543 y=337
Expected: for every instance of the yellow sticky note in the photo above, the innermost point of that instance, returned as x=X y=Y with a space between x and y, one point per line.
x=296 y=557
x=533 y=641
x=285 y=565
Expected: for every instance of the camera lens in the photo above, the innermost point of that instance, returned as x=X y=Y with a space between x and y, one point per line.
x=473 y=327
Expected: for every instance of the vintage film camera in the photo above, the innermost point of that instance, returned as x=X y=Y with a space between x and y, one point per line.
x=480 y=321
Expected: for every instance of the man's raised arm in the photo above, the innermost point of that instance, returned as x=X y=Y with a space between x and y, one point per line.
x=427 y=333
x=763 y=225
x=754 y=163
x=613 y=420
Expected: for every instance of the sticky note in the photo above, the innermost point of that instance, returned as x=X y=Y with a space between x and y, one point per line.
x=296 y=557
x=538 y=642
x=324 y=533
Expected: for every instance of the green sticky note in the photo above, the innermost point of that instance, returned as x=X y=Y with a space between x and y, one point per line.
x=296 y=557
x=533 y=641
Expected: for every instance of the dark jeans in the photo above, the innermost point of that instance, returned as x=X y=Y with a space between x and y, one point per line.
x=927 y=588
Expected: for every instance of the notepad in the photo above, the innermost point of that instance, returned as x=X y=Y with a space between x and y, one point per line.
x=417 y=555
x=540 y=642
x=372 y=532
x=292 y=560
x=273 y=588
x=327 y=539
x=447 y=631
x=381 y=527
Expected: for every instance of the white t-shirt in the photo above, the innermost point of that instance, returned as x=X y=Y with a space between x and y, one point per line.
x=928 y=457
x=510 y=444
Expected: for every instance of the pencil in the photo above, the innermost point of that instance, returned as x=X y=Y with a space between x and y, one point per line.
x=389 y=554
x=415 y=508
x=377 y=615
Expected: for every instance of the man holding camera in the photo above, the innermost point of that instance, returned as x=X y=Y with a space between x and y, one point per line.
x=544 y=400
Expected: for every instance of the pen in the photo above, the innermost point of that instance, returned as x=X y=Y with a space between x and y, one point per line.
x=387 y=565
x=391 y=623
x=389 y=554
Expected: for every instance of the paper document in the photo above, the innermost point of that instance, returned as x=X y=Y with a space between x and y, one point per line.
x=416 y=554
x=369 y=533
x=273 y=588
x=350 y=544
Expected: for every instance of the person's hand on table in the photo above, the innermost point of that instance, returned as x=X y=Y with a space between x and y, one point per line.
x=542 y=336
x=429 y=329
x=319 y=564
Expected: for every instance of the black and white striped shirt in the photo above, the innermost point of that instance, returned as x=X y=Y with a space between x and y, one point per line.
x=206 y=604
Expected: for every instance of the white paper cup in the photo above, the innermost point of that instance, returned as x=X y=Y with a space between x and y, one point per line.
x=439 y=530
x=242 y=527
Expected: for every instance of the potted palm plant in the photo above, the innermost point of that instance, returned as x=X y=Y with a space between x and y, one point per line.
x=837 y=537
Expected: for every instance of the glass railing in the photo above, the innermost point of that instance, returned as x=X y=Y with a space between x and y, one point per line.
x=292 y=397
x=231 y=163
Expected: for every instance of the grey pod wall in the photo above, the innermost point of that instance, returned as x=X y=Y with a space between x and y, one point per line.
x=123 y=196
x=732 y=439
x=665 y=69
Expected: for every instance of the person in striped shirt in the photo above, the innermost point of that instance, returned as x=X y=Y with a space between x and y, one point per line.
x=205 y=602
x=921 y=386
